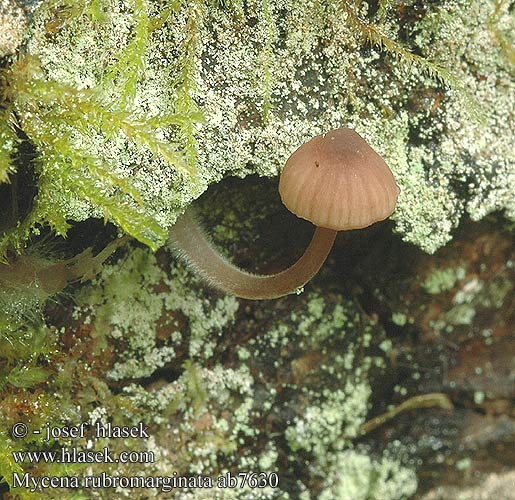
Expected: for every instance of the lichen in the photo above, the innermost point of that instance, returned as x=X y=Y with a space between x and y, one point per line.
x=13 y=23
x=441 y=280
x=467 y=296
x=131 y=109
x=357 y=476
x=321 y=66
x=339 y=414
x=146 y=344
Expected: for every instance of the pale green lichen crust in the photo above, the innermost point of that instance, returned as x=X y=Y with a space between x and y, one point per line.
x=286 y=394
x=473 y=295
x=268 y=75
x=441 y=280
x=356 y=476
x=13 y=23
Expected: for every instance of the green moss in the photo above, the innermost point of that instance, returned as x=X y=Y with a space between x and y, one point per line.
x=65 y=121
x=145 y=344
x=8 y=141
x=260 y=102
x=112 y=94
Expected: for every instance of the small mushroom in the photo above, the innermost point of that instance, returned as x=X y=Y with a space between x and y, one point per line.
x=336 y=181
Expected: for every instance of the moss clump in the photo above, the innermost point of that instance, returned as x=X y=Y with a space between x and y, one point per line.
x=71 y=124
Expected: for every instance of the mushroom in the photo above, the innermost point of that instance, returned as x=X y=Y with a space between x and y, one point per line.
x=335 y=180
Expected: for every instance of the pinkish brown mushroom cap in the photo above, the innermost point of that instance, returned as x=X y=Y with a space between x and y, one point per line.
x=337 y=181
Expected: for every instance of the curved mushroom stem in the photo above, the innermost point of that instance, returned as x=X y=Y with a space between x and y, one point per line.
x=191 y=242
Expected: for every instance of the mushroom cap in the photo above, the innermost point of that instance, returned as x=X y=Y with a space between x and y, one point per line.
x=337 y=181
